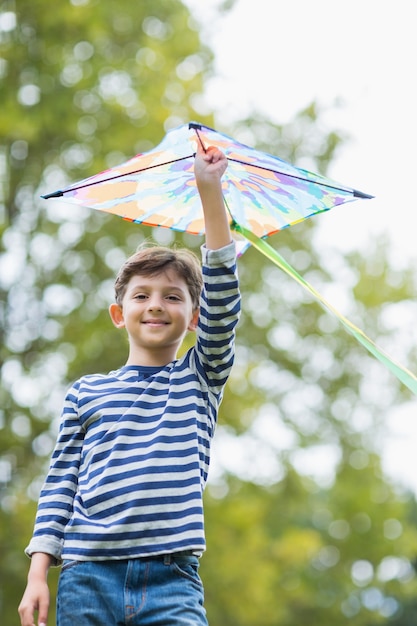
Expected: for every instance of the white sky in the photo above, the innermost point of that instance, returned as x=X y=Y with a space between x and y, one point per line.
x=276 y=57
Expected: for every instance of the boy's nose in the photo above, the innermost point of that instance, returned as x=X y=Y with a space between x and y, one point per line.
x=155 y=304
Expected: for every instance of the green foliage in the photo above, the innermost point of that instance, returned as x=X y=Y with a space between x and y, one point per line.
x=293 y=553
x=85 y=85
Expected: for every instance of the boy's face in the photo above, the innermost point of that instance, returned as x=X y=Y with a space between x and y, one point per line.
x=156 y=311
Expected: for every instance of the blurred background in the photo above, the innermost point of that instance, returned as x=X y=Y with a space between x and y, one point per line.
x=308 y=518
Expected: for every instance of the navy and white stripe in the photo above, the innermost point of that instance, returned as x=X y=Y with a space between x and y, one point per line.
x=132 y=457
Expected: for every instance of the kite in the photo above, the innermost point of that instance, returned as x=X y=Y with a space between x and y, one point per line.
x=263 y=194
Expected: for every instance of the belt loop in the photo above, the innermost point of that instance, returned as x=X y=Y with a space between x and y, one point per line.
x=167 y=559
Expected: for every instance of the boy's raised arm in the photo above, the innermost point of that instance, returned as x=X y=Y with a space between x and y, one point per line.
x=209 y=168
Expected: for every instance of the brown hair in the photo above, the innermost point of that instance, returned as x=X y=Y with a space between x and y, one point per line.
x=151 y=260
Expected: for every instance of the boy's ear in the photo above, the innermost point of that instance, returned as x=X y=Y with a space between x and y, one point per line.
x=194 y=320
x=116 y=314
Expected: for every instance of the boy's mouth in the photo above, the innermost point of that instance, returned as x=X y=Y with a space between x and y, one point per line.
x=155 y=322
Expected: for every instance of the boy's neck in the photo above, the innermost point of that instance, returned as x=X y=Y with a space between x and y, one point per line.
x=155 y=358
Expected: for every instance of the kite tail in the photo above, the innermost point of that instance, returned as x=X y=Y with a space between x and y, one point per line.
x=403 y=374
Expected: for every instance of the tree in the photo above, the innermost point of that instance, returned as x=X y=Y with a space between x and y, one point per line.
x=293 y=552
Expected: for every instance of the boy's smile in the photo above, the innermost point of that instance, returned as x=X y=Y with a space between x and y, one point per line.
x=156 y=312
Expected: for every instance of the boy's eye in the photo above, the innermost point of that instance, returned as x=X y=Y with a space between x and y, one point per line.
x=144 y=296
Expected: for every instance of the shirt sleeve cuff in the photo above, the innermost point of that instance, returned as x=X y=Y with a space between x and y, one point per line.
x=52 y=547
x=219 y=256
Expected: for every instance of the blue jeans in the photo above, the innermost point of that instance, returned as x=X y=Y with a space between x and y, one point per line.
x=154 y=591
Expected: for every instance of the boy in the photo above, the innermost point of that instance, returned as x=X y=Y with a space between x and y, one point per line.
x=122 y=504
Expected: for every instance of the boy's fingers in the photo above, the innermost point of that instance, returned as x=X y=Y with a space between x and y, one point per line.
x=208 y=151
x=213 y=154
x=43 y=613
x=26 y=615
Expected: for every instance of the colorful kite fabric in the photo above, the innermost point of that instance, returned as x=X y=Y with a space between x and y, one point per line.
x=263 y=193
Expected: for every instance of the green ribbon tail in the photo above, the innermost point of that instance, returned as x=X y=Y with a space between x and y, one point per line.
x=403 y=374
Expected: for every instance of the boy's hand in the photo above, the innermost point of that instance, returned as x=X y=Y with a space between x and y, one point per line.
x=209 y=165
x=35 y=598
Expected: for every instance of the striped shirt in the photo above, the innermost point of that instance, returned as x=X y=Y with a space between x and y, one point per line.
x=132 y=456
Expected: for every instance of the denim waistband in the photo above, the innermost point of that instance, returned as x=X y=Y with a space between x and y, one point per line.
x=173 y=555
